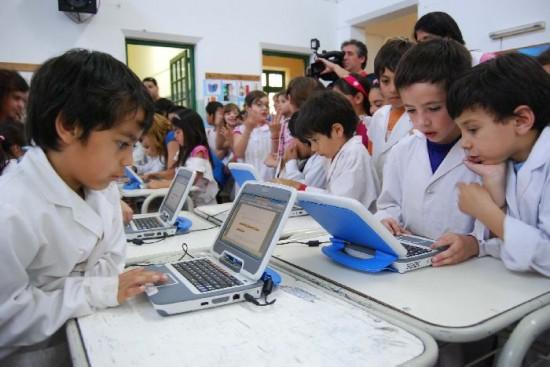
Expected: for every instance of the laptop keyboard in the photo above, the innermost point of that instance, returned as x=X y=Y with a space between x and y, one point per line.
x=205 y=275
x=148 y=223
x=412 y=250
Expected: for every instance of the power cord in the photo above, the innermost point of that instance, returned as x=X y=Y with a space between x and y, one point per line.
x=140 y=241
x=267 y=288
x=184 y=248
x=310 y=243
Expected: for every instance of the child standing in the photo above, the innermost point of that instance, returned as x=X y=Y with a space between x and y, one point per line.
x=502 y=109
x=64 y=258
x=390 y=123
x=328 y=122
x=419 y=192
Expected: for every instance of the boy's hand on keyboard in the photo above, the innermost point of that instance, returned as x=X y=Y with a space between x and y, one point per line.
x=460 y=248
x=393 y=226
x=133 y=282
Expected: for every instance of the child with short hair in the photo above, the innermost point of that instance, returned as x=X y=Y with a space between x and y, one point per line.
x=390 y=123
x=214 y=117
x=502 y=109
x=328 y=122
x=14 y=91
x=12 y=141
x=64 y=258
x=419 y=192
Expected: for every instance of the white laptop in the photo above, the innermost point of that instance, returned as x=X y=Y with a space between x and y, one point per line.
x=243 y=172
x=132 y=176
x=163 y=223
x=362 y=242
x=237 y=258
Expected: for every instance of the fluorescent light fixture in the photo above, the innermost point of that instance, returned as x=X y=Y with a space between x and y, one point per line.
x=509 y=32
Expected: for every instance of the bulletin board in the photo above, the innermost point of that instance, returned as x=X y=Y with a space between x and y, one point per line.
x=229 y=88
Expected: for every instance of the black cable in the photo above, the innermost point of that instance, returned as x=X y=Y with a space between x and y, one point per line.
x=139 y=241
x=310 y=243
x=249 y=298
x=184 y=248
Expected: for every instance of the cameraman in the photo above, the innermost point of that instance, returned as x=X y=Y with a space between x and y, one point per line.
x=355 y=60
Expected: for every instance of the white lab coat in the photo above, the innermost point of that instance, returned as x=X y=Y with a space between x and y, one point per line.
x=151 y=165
x=206 y=189
x=377 y=128
x=526 y=245
x=425 y=203
x=314 y=172
x=350 y=174
x=61 y=255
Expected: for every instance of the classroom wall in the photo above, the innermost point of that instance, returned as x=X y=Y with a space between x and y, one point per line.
x=475 y=18
x=229 y=34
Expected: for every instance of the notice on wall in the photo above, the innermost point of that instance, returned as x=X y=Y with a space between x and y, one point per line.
x=229 y=88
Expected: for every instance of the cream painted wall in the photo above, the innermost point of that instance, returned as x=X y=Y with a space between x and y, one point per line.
x=229 y=34
x=153 y=61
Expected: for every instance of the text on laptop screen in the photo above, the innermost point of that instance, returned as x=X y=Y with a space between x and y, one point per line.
x=252 y=224
x=174 y=194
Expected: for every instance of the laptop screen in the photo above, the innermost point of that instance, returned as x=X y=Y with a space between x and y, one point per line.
x=177 y=190
x=252 y=224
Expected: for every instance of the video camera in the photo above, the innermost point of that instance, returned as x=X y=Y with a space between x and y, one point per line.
x=316 y=68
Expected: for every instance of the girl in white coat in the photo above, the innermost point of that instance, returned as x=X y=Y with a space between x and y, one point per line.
x=390 y=123
x=419 y=193
x=328 y=122
x=507 y=97
x=62 y=242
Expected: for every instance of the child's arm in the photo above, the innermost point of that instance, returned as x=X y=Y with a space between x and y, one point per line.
x=240 y=141
x=389 y=201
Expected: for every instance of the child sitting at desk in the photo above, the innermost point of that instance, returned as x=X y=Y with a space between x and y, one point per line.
x=63 y=258
x=156 y=154
x=327 y=120
x=419 y=193
x=502 y=107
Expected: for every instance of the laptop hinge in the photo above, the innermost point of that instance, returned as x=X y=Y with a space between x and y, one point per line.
x=231 y=262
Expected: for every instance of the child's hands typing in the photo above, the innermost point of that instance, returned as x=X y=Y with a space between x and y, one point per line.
x=133 y=282
x=460 y=248
x=393 y=226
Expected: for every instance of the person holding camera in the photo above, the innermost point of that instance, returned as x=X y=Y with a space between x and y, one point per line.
x=354 y=61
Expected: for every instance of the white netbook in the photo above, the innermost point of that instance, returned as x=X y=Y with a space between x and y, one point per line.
x=134 y=177
x=361 y=241
x=237 y=258
x=163 y=223
x=243 y=172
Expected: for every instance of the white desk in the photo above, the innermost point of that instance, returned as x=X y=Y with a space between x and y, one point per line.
x=307 y=326
x=201 y=236
x=460 y=303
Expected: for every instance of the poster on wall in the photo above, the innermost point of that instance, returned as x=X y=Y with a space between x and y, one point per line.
x=229 y=88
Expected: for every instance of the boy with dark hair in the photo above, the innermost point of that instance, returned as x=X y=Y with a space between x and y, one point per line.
x=327 y=120
x=502 y=109
x=419 y=193
x=64 y=258
x=390 y=123
x=14 y=91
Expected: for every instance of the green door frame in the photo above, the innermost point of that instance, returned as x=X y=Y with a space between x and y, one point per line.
x=190 y=47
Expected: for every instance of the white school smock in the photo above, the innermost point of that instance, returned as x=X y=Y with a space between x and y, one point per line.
x=526 y=245
x=377 y=128
x=314 y=172
x=257 y=150
x=151 y=165
x=205 y=191
x=350 y=174
x=425 y=203
x=61 y=254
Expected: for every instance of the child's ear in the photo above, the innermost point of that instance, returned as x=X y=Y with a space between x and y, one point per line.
x=524 y=119
x=67 y=134
x=337 y=130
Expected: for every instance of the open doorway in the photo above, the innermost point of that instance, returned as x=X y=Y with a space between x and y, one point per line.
x=395 y=23
x=278 y=69
x=172 y=65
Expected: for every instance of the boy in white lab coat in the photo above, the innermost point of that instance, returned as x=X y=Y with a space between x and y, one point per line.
x=390 y=123
x=502 y=108
x=62 y=242
x=327 y=120
x=419 y=194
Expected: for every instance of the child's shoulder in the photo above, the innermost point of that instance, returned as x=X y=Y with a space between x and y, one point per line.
x=409 y=143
